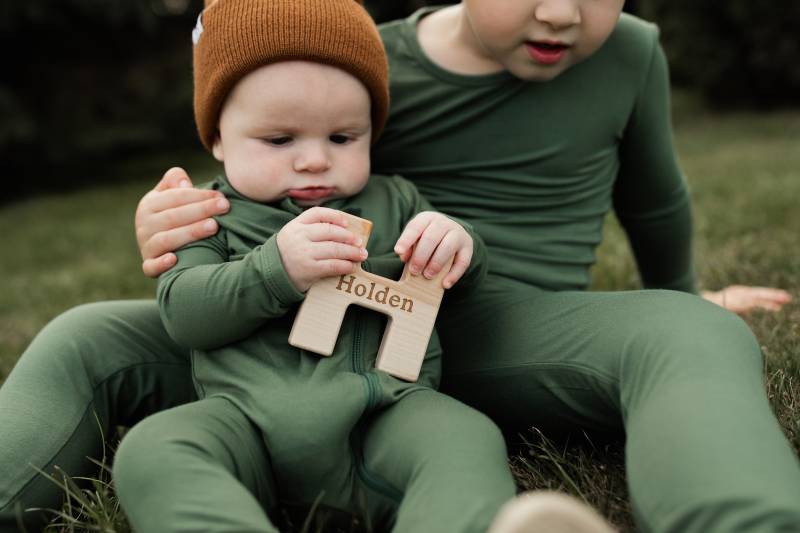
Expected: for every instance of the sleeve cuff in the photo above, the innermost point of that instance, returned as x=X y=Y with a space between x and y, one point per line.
x=276 y=280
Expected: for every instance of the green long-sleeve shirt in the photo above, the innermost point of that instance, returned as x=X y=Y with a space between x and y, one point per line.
x=536 y=166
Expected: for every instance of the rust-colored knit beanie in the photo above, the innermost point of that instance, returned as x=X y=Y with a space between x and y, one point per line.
x=234 y=37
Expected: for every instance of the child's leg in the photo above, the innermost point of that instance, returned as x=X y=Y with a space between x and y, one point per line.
x=447 y=460
x=704 y=451
x=197 y=467
x=114 y=359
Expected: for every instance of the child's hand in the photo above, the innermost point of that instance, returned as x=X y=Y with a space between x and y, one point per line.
x=173 y=214
x=741 y=299
x=316 y=245
x=434 y=240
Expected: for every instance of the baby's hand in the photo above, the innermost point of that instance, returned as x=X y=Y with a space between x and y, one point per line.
x=434 y=239
x=316 y=245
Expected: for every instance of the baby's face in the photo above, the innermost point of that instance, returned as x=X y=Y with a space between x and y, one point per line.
x=296 y=129
x=537 y=40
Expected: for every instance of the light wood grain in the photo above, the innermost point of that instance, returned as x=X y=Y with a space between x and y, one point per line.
x=411 y=304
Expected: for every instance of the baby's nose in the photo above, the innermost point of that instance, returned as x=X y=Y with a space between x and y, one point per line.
x=312 y=159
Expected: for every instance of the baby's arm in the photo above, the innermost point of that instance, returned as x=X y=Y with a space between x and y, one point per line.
x=207 y=301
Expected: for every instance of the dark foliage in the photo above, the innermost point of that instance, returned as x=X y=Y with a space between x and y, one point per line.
x=87 y=80
x=737 y=52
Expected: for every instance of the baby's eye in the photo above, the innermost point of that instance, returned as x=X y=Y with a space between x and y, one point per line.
x=338 y=138
x=279 y=141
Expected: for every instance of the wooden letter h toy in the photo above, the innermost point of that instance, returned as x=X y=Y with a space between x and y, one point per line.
x=411 y=303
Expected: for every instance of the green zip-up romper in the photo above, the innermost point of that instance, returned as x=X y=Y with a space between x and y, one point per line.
x=229 y=299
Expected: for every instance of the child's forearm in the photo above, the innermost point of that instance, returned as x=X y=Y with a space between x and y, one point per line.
x=662 y=246
x=651 y=198
x=205 y=303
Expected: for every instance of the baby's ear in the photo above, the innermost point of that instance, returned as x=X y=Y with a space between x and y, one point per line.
x=216 y=148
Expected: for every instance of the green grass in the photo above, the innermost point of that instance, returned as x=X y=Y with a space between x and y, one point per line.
x=744 y=175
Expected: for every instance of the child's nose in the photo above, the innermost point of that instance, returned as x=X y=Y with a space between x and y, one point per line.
x=558 y=14
x=312 y=158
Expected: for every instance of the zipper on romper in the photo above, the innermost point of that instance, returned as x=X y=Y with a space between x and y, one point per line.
x=357 y=361
x=371 y=480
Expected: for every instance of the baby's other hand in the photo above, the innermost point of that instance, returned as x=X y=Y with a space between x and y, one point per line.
x=316 y=245
x=428 y=243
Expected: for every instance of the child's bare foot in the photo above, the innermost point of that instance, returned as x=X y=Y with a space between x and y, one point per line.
x=548 y=512
x=741 y=299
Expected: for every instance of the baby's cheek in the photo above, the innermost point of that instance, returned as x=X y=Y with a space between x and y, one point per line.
x=253 y=181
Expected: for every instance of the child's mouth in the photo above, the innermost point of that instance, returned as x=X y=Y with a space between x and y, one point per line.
x=546 y=52
x=310 y=193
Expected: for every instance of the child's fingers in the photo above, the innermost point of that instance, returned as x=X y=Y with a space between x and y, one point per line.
x=158 y=201
x=182 y=215
x=170 y=240
x=325 y=250
x=330 y=232
x=769 y=294
x=460 y=265
x=322 y=214
x=410 y=235
x=153 y=268
x=173 y=178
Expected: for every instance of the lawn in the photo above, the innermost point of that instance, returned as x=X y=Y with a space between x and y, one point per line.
x=744 y=173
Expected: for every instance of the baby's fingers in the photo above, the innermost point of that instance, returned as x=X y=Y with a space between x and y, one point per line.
x=322 y=214
x=460 y=265
x=443 y=254
x=334 y=267
x=330 y=232
x=426 y=245
x=410 y=236
x=336 y=250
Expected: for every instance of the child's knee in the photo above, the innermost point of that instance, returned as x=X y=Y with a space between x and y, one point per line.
x=76 y=337
x=683 y=336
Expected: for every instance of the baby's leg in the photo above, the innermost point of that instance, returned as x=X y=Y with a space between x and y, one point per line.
x=197 y=467
x=113 y=360
x=447 y=461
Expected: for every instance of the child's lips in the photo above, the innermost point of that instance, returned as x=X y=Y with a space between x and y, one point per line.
x=546 y=52
x=310 y=193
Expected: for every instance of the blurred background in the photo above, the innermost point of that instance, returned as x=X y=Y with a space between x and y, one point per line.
x=90 y=81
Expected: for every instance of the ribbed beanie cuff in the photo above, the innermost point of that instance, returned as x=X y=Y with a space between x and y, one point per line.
x=235 y=37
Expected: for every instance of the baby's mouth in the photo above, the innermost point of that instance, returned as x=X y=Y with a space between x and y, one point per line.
x=310 y=193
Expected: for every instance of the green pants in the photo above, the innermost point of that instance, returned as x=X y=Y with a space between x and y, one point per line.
x=682 y=378
x=425 y=463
